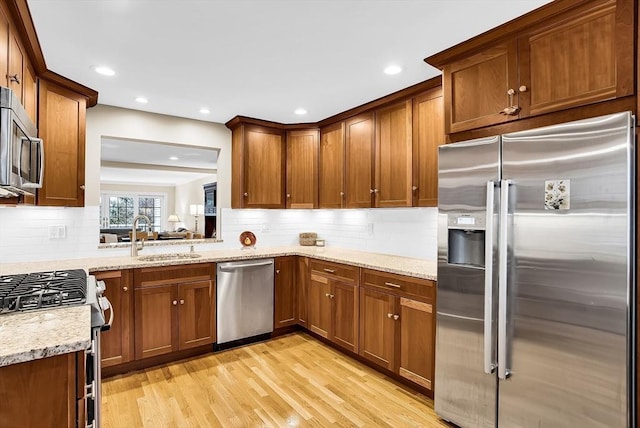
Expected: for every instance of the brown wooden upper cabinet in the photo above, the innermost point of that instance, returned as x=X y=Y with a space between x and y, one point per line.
x=331 y=167
x=563 y=55
x=258 y=167
x=302 y=168
x=393 y=156
x=428 y=134
x=61 y=125
x=359 y=152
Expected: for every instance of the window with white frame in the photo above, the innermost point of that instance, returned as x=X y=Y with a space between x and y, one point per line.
x=117 y=210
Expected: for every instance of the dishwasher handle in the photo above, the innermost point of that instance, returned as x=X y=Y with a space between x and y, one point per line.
x=231 y=267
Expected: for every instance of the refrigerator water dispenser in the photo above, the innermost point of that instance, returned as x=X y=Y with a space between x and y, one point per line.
x=466 y=247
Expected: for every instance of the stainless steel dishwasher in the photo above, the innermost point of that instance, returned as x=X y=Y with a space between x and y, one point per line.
x=244 y=302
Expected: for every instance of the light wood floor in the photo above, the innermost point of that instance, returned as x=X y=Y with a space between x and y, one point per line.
x=291 y=381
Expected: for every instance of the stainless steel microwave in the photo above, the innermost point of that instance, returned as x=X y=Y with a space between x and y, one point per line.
x=21 y=153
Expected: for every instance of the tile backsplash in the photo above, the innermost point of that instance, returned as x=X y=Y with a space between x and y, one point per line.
x=25 y=232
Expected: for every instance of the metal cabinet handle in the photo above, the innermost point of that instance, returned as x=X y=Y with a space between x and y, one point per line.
x=125 y=288
x=246 y=194
x=288 y=195
x=389 y=316
x=277 y=271
x=181 y=301
x=414 y=188
x=373 y=191
x=396 y=317
x=14 y=78
x=341 y=193
x=175 y=302
x=327 y=294
x=329 y=270
x=331 y=296
x=82 y=187
x=391 y=284
x=523 y=88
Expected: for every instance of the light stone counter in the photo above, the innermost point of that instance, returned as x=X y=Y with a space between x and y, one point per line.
x=419 y=268
x=27 y=336
x=39 y=334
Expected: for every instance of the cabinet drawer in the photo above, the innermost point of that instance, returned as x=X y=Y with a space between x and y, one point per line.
x=399 y=284
x=154 y=276
x=335 y=271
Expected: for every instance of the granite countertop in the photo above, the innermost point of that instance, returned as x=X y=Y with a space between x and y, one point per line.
x=419 y=268
x=27 y=336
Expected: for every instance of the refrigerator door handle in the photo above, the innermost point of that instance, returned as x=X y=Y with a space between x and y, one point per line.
x=489 y=362
x=503 y=371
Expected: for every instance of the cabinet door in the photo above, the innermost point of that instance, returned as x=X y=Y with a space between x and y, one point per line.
x=584 y=57
x=331 y=167
x=30 y=84
x=393 y=155
x=359 y=161
x=319 y=305
x=428 y=134
x=61 y=120
x=155 y=320
x=476 y=88
x=196 y=314
x=4 y=47
x=39 y=393
x=264 y=168
x=117 y=343
x=285 y=306
x=302 y=280
x=16 y=64
x=302 y=169
x=345 y=315
x=416 y=342
x=378 y=327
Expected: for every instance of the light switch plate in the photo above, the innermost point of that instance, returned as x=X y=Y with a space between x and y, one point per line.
x=57 y=232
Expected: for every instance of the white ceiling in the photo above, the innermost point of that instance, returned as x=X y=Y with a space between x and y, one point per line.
x=257 y=58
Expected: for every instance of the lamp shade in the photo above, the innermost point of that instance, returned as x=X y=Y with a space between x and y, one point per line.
x=196 y=209
x=173 y=218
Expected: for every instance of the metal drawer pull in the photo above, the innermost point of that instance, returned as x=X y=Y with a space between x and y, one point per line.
x=181 y=301
x=396 y=317
x=389 y=315
x=391 y=284
x=329 y=270
x=175 y=302
x=327 y=294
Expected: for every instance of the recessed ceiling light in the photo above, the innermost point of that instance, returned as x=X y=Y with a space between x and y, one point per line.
x=204 y=110
x=174 y=158
x=104 y=70
x=300 y=111
x=142 y=100
x=393 y=69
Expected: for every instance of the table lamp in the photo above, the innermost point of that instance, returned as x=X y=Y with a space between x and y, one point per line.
x=173 y=218
x=196 y=210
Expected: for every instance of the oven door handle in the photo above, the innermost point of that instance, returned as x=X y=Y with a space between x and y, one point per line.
x=106 y=304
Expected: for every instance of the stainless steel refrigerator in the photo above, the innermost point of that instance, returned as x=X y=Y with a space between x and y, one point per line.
x=536 y=314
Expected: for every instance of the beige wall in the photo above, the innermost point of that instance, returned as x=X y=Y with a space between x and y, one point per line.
x=124 y=123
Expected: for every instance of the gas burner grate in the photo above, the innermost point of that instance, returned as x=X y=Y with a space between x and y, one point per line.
x=42 y=290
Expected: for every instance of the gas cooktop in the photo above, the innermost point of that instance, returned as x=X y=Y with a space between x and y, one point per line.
x=42 y=290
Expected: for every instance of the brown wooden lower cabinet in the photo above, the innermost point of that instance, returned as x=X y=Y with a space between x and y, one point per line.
x=174 y=309
x=116 y=344
x=43 y=392
x=397 y=327
x=302 y=281
x=333 y=303
x=285 y=299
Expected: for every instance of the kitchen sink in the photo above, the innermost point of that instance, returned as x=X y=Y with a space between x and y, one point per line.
x=168 y=256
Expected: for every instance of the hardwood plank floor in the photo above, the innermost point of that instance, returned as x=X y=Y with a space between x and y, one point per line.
x=291 y=381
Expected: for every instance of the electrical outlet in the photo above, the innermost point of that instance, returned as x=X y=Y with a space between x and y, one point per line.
x=57 y=232
x=370 y=228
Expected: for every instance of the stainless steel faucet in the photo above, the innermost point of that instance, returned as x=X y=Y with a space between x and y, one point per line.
x=134 y=244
